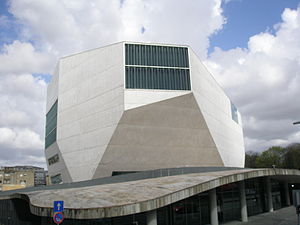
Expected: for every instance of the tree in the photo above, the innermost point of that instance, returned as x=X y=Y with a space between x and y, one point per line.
x=292 y=156
x=250 y=159
x=270 y=157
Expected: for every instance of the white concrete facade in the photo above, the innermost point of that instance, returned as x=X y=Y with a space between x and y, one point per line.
x=103 y=127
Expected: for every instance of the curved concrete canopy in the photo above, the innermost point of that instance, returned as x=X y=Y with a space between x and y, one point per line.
x=119 y=199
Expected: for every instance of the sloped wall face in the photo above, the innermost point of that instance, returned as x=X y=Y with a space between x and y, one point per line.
x=169 y=133
x=90 y=105
x=219 y=114
x=52 y=148
x=59 y=167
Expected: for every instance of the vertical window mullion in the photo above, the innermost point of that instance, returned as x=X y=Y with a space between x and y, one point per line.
x=126 y=54
x=186 y=57
x=188 y=80
x=169 y=79
x=164 y=53
x=176 y=80
x=176 y=57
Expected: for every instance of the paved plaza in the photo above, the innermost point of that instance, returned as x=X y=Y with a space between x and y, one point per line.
x=284 y=216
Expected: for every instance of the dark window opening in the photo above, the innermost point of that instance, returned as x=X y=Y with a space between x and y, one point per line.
x=51 y=122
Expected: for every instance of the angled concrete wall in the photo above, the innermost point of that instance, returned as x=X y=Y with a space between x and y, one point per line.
x=169 y=133
x=216 y=109
x=103 y=127
x=90 y=104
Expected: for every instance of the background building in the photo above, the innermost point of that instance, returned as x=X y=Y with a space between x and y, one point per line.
x=135 y=107
x=21 y=176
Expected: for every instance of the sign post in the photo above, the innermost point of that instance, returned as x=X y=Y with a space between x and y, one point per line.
x=58 y=208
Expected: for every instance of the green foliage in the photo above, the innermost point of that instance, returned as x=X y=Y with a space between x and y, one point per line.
x=292 y=156
x=250 y=159
x=280 y=157
x=271 y=157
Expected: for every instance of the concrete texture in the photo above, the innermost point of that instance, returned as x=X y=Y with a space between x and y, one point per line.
x=284 y=216
x=216 y=109
x=90 y=103
x=118 y=199
x=168 y=133
x=104 y=127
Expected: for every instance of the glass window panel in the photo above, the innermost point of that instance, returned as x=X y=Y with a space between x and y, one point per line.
x=157 y=78
x=52 y=112
x=127 y=56
x=151 y=55
x=51 y=125
x=234 y=113
x=50 y=139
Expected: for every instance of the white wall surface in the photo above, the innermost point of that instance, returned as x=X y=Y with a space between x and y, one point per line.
x=60 y=166
x=90 y=104
x=216 y=109
x=136 y=97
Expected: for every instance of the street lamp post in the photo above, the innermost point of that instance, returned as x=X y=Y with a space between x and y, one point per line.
x=296 y=123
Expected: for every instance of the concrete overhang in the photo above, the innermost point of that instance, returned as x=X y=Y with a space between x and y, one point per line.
x=120 y=199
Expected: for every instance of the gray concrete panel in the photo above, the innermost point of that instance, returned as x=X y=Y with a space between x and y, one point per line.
x=169 y=133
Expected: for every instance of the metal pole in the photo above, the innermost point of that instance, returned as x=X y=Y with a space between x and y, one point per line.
x=296 y=123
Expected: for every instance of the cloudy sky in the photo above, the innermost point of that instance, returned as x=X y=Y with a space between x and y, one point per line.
x=252 y=47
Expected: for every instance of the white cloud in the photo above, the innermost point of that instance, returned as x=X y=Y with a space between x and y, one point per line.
x=263 y=81
x=22 y=57
x=22 y=110
x=21 y=139
x=65 y=27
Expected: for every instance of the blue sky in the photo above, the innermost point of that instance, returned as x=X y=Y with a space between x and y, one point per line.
x=246 y=18
x=260 y=76
x=8 y=32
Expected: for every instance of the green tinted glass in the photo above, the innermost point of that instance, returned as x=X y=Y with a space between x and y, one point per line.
x=51 y=123
x=51 y=138
x=152 y=55
x=157 y=78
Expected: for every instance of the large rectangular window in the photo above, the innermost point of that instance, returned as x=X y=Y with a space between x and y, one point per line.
x=157 y=67
x=157 y=78
x=153 y=55
x=51 y=122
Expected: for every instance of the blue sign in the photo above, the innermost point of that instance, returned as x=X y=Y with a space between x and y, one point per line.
x=58 y=206
x=58 y=217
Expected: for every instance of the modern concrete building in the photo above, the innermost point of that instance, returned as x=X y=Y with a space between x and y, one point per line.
x=154 y=109
x=134 y=107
